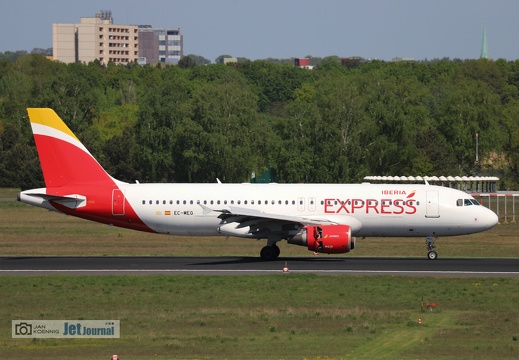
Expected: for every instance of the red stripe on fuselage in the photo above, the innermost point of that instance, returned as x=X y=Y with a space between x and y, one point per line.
x=99 y=206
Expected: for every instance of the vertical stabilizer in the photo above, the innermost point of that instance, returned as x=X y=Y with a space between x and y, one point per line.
x=64 y=159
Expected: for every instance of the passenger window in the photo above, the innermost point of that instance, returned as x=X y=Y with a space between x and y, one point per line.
x=170 y=202
x=163 y=202
x=184 y=202
x=143 y=202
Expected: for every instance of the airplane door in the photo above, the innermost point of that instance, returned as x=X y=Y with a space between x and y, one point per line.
x=432 y=206
x=118 y=202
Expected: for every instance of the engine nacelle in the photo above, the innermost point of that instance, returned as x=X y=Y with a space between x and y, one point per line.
x=329 y=239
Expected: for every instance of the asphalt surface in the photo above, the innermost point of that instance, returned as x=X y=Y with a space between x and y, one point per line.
x=322 y=265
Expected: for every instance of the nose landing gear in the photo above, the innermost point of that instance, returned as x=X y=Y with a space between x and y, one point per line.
x=431 y=254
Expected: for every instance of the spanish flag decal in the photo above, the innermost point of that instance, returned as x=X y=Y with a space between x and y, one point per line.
x=167 y=212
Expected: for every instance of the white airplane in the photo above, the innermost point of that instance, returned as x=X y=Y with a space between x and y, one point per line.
x=325 y=218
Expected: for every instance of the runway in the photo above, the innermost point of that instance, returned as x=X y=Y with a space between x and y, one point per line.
x=321 y=265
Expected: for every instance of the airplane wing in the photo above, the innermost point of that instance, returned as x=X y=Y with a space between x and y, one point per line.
x=240 y=221
x=261 y=215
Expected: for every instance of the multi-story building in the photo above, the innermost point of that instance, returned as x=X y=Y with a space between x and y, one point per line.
x=98 y=38
x=159 y=45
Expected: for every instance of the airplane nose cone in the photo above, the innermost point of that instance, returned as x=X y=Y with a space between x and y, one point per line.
x=490 y=219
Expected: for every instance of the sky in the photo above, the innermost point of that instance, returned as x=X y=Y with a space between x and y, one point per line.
x=259 y=29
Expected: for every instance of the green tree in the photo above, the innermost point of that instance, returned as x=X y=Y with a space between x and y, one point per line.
x=187 y=62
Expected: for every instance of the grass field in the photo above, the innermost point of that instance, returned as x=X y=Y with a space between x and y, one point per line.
x=285 y=316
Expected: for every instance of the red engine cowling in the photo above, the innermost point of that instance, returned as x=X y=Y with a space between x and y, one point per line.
x=329 y=239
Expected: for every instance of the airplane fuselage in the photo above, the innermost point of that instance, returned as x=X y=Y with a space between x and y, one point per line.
x=391 y=210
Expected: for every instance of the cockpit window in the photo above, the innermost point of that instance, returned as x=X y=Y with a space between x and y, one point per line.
x=467 y=202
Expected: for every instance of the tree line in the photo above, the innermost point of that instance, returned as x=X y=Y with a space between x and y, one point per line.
x=334 y=124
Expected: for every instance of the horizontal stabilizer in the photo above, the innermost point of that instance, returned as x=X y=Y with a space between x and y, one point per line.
x=72 y=201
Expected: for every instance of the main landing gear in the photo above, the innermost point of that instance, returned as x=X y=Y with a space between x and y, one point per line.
x=431 y=254
x=270 y=252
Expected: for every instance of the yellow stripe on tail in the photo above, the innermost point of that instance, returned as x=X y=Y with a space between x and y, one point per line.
x=49 y=118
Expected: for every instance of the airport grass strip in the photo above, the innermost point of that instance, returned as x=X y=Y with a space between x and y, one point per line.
x=285 y=316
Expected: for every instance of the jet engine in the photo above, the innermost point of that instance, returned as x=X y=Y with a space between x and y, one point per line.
x=329 y=239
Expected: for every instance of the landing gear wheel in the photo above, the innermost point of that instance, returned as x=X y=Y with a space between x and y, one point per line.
x=431 y=255
x=270 y=253
x=277 y=250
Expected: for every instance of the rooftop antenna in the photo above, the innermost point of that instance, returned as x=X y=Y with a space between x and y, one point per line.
x=484 y=45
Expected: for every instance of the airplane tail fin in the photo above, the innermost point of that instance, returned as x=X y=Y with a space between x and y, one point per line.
x=64 y=159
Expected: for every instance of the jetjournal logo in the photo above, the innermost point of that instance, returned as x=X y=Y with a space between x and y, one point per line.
x=100 y=329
